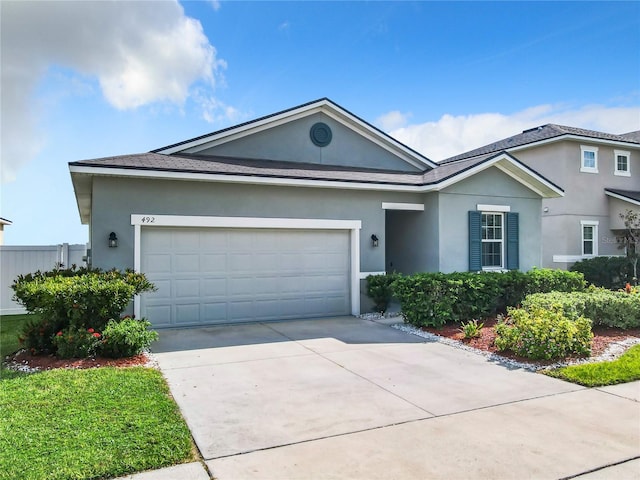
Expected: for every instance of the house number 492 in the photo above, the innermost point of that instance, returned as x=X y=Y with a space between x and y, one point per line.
x=148 y=219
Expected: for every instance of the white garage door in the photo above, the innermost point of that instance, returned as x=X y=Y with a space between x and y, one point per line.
x=227 y=275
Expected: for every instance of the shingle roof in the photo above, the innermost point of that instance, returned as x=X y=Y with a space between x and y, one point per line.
x=251 y=167
x=632 y=136
x=291 y=170
x=538 y=134
x=630 y=194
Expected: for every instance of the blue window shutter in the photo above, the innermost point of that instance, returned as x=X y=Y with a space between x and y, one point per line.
x=475 y=241
x=513 y=242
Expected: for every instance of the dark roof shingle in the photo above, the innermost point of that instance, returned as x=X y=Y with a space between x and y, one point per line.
x=537 y=134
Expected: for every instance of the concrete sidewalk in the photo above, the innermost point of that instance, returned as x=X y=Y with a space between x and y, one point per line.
x=351 y=398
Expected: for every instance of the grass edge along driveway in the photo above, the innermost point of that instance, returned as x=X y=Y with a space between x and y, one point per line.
x=81 y=424
x=624 y=369
x=95 y=423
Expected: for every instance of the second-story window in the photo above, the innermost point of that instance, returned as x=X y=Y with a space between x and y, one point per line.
x=621 y=163
x=589 y=159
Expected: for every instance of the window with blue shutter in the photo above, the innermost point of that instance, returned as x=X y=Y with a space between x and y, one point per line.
x=513 y=242
x=475 y=241
x=493 y=241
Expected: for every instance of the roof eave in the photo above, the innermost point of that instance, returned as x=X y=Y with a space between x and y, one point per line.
x=624 y=198
x=323 y=105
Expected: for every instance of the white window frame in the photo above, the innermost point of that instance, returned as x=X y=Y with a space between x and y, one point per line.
x=502 y=241
x=583 y=150
x=594 y=240
x=621 y=173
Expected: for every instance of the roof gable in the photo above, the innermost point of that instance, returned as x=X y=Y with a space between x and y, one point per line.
x=221 y=142
x=544 y=134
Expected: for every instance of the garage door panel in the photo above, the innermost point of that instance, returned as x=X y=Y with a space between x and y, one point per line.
x=216 y=275
x=214 y=286
x=212 y=263
x=157 y=263
x=187 y=287
x=240 y=262
x=186 y=240
x=163 y=287
x=214 y=312
x=186 y=263
x=188 y=314
x=239 y=240
x=290 y=285
x=161 y=315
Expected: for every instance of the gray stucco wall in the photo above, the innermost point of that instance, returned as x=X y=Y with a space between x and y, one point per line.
x=115 y=199
x=291 y=142
x=584 y=195
x=494 y=188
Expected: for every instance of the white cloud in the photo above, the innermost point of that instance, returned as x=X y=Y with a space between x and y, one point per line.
x=140 y=53
x=451 y=135
x=393 y=120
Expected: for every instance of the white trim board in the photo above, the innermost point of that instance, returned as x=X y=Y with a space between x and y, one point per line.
x=140 y=221
x=481 y=207
x=417 y=207
x=623 y=198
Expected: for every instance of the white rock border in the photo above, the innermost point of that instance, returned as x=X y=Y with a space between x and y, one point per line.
x=613 y=351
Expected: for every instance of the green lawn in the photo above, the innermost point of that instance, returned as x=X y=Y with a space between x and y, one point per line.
x=622 y=370
x=10 y=326
x=85 y=424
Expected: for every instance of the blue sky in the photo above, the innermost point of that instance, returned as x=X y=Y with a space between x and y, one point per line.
x=92 y=79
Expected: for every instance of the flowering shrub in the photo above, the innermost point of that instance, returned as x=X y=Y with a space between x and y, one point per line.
x=76 y=342
x=126 y=337
x=36 y=335
x=76 y=299
x=543 y=334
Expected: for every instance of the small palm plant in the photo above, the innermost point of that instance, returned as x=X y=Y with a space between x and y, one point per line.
x=471 y=329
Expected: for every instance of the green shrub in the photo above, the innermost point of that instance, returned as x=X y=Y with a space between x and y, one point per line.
x=126 y=337
x=36 y=335
x=542 y=280
x=379 y=289
x=433 y=299
x=79 y=299
x=427 y=299
x=607 y=272
x=76 y=342
x=471 y=329
x=604 y=307
x=543 y=334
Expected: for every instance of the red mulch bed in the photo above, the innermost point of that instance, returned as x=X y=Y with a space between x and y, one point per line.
x=602 y=337
x=47 y=362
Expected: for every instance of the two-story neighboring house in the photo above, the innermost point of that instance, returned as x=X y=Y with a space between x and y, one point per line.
x=600 y=175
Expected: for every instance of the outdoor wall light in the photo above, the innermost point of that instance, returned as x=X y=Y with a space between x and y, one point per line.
x=113 y=240
x=374 y=240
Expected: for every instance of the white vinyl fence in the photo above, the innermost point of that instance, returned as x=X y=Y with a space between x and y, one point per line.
x=19 y=260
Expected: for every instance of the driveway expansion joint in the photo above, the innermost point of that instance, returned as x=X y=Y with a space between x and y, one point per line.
x=597 y=469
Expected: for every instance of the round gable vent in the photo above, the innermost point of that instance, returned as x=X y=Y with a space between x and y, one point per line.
x=320 y=134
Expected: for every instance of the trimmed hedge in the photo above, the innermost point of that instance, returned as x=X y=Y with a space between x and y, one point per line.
x=543 y=334
x=380 y=291
x=433 y=299
x=604 y=307
x=607 y=272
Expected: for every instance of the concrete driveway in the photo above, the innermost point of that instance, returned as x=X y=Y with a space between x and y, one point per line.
x=352 y=398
